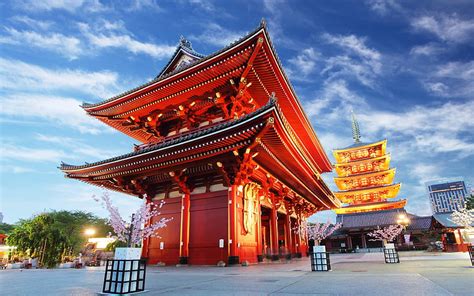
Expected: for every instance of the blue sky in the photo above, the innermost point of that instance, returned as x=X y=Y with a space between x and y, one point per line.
x=406 y=69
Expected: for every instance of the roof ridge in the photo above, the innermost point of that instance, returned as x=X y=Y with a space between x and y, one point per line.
x=162 y=77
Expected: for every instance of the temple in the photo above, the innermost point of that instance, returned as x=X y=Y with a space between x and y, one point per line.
x=364 y=176
x=365 y=181
x=225 y=143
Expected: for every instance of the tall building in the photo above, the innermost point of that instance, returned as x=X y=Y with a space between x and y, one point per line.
x=237 y=168
x=447 y=195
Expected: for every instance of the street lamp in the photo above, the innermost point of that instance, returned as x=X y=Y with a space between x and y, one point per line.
x=403 y=221
x=89 y=232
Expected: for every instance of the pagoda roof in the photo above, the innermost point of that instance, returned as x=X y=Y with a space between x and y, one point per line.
x=344 y=164
x=360 y=145
x=365 y=175
x=371 y=207
x=204 y=75
x=370 y=219
x=395 y=187
x=213 y=142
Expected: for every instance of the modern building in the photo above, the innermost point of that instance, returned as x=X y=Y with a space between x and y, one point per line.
x=224 y=141
x=447 y=195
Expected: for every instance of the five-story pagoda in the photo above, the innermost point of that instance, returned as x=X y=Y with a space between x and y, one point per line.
x=364 y=176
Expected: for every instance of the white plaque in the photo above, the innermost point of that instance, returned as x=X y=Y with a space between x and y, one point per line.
x=162 y=245
x=221 y=243
x=128 y=253
x=389 y=246
x=319 y=249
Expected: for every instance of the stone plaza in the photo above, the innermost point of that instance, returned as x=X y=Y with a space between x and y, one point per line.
x=418 y=273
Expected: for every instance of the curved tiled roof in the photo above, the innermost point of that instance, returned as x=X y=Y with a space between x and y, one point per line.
x=420 y=223
x=370 y=219
x=189 y=65
x=177 y=140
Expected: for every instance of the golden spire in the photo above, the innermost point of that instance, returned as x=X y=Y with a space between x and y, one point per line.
x=355 y=128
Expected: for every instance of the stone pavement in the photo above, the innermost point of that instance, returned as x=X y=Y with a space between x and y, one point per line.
x=353 y=274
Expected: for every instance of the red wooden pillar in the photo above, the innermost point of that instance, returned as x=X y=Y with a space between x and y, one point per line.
x=288 y=234
x=146 y=241
x=274 y=233
x=301 y=239
x=349 y=242
x=233 y=237
x=184 y=233
x=259 y=232
x=364 y=242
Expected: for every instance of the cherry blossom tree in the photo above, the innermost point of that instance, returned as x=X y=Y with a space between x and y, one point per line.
x=386 y=234
x=317 y=231
x=140 y=225
x=463 y=217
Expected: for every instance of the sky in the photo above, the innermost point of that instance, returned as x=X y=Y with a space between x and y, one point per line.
x=406 y=68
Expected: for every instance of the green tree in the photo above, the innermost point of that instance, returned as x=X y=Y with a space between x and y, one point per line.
x=51 y=235
x=470 y=202
x=6 y=228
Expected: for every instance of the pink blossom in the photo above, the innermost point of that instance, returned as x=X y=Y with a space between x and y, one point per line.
x=388 y=233
x=317 y=231
x=142 y=224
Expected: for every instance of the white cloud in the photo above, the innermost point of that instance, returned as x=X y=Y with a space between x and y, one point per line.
x=110 y=39
x=429 y=49
x=458 y=70
x=77 y=147
x=203 y=4
x=216 y=35
x=144 y=4
x=437 y=88
x=61 y=111
x=353 y=44
x=383 y=7
x=69 y=47
x=33 y=23
x=47 y=5
x=68 y=5
x=453 y=79
x=358 y=61
x=101 y=84
x=18 y=153
x=15 y=169
x=446 y=27
x=433 y=130
x=303 y=64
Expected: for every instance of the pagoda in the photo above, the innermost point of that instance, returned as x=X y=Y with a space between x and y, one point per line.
x=225 y=143
x=364 y=176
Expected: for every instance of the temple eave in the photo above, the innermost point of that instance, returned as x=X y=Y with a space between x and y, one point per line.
x=371 y=207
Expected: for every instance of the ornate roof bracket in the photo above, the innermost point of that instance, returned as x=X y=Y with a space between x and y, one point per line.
x=181 y=180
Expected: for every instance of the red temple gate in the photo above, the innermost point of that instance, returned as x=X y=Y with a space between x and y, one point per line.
x=232 y=163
